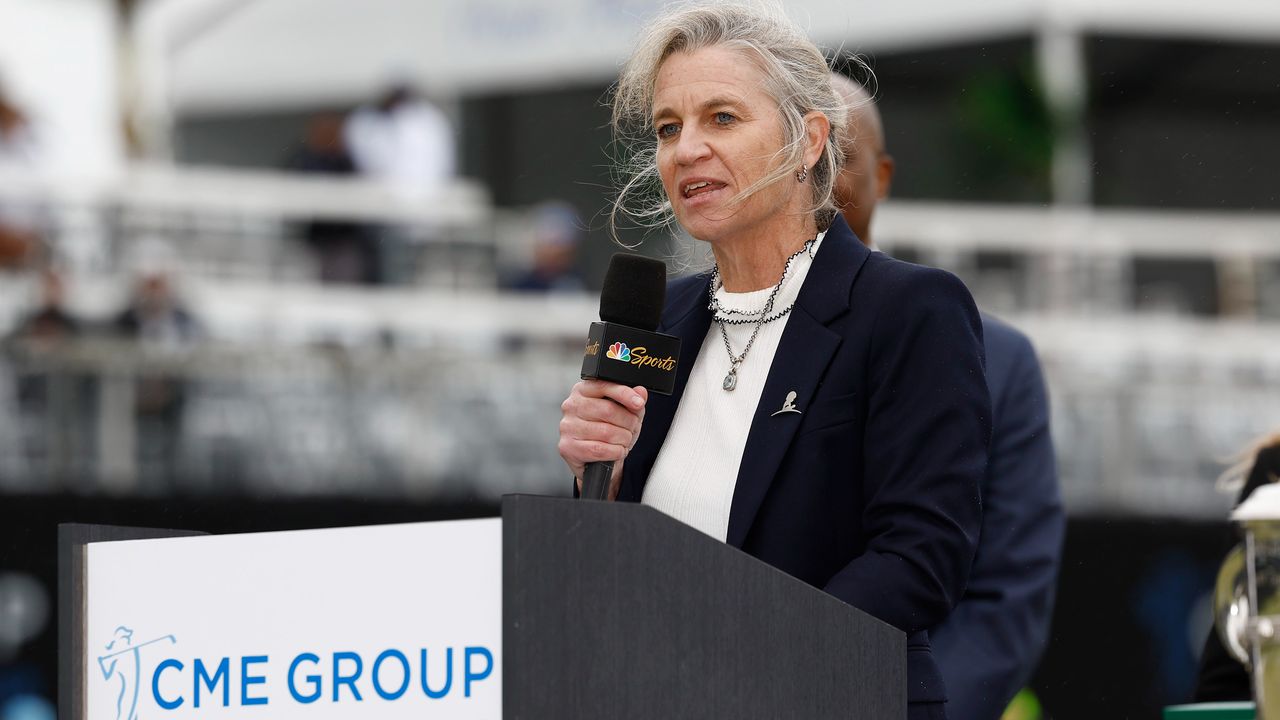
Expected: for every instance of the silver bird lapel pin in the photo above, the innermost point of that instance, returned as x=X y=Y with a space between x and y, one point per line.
x=789 y=406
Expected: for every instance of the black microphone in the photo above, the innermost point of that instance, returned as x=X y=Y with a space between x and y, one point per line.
x=623 y=347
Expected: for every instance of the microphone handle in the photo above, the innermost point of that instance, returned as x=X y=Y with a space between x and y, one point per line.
x=595 y=480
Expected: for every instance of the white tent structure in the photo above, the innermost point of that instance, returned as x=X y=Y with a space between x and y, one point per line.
x=224 y=55
x=185 y=57
x=58 y=64
x=230 y=56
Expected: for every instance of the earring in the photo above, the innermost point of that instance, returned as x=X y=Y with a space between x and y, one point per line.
x=802 y=174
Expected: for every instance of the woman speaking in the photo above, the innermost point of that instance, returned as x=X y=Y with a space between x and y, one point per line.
x=830 y=415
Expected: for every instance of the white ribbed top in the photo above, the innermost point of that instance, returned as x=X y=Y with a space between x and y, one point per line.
x=696 y=471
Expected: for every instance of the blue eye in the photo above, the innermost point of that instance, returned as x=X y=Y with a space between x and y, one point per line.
x=724 y=118
x=667 y=131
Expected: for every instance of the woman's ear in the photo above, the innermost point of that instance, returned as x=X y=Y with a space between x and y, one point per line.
x=817 y=128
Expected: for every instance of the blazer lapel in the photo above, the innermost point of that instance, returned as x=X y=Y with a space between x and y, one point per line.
x=804 y=352
x=690 y=319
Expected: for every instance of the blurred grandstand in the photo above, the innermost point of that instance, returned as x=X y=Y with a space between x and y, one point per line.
x=1104 y=175
x=1153 y=321
x=300 y=387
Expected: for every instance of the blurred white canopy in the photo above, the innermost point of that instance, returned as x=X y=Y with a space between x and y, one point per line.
x=58 y=64
x=222 y=55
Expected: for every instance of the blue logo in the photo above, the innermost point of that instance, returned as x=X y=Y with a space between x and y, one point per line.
x=123 y=664
x=310 y=676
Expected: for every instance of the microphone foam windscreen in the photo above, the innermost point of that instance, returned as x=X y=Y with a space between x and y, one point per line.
x=635 y=289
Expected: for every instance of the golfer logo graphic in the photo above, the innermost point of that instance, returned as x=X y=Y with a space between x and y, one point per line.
x=123 y=665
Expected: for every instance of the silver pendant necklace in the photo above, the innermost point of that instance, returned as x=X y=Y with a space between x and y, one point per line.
x=731 y=379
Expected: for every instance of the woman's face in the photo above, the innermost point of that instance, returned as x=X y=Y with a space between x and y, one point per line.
x=718 y=132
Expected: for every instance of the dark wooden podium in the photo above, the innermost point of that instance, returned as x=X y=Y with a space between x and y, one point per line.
x=609 y=611
x=614 y=610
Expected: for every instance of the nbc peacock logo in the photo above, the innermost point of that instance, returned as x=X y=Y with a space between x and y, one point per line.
x=619 y=351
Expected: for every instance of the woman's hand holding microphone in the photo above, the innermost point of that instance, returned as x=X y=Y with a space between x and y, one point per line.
x=601 y=422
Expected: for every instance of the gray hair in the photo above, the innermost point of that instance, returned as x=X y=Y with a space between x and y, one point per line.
x=796 y=76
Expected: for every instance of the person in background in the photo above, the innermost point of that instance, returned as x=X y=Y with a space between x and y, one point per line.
x=402 y=141
x=345 y=250
x=1221 y=678
x=19 y=235
x=155 y=315
x=55 y=401
x=50 y=322
x=46 y=328
x=555 y=249
x=406 y=144
x=158 y=321
x=990 y=644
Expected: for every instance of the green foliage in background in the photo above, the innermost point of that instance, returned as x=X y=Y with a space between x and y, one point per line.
x=1007 y=131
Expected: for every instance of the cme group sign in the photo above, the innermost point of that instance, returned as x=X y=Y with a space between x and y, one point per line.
x=336 y=677
x=400 y=621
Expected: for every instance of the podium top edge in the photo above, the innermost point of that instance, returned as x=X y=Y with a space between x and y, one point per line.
x=87 y=533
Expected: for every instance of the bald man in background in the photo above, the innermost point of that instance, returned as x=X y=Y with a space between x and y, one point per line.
x=989 y=646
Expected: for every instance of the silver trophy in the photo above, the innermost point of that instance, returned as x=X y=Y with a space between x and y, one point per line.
x=1247 y=597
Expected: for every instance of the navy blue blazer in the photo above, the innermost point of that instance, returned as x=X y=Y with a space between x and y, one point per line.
x=871 y=492
x=990 y=644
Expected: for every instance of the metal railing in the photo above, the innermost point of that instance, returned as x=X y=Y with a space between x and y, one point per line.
x=1145 y=414
x=1081 y=261
x=448 y=386
x=250 y=224
x=77 y=417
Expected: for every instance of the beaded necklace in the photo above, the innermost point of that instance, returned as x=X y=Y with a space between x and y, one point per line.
x=759 y=317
